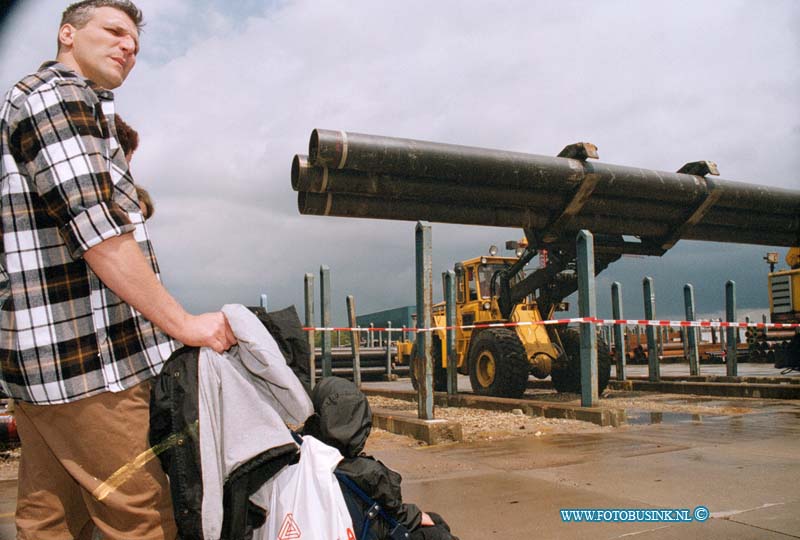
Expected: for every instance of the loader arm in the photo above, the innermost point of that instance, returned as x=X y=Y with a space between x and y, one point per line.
x=556 y=281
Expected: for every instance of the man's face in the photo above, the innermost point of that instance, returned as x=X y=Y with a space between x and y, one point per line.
x=105 y=49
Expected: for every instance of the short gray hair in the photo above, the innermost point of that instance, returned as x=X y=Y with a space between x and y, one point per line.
x=79 y=13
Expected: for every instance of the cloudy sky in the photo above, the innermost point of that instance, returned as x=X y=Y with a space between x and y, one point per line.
x=225 y=93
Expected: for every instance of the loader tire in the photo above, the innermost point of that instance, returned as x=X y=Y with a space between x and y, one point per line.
x=439 y=373
x=498 y=365
x=566 y=371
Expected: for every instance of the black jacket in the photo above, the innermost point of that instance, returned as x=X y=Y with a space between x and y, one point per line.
x=342 y=419
x=174 y=421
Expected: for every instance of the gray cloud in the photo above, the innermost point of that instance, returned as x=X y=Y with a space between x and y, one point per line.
x=223 y=97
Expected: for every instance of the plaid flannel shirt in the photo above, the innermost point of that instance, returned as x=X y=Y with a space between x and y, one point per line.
x=64 y=188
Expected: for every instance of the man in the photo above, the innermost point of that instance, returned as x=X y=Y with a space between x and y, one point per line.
x=85 y=321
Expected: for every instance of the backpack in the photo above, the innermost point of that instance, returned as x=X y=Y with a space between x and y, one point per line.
x=362 y=520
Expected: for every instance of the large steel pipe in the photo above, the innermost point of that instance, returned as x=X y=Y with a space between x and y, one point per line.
x=665 y=186
x=357 y=175
x=362 y=206
x=324 y=180
x=350 y=205
x=406 y=157
x=738 y=235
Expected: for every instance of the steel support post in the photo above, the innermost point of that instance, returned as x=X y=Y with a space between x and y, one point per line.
x=731 y=341
x=325 y=318
x=619 y=330
x=654 y=366
x=587 y=302
x=424 y=264
x=739 y=334
x=355 y=344
x=389 y=351
x=723 y=343
x=263 y=301
x=312 y=355
x=450 y=321
x=684 y=342
x=691 y=332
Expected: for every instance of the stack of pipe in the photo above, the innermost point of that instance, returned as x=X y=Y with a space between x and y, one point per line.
x=767 y=344
x=373 y=361
x=368 y=176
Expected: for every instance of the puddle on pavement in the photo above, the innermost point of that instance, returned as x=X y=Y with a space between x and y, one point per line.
x=720 y=427
x=693 y=400
x=640 y=417
x=723 y=403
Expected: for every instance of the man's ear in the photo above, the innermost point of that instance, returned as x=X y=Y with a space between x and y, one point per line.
x=66 y=35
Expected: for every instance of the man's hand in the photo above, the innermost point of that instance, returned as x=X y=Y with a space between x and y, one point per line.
x=426 y=520
x=207 y=330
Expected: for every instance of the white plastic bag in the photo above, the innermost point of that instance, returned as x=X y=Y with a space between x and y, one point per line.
x=304 y=501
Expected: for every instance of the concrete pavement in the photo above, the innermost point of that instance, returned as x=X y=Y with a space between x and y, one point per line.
x=743 y=468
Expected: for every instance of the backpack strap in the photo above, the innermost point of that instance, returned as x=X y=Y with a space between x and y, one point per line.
x=398 y=531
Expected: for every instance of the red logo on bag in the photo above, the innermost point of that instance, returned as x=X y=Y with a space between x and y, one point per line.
x=350 y=534
x=289 y=529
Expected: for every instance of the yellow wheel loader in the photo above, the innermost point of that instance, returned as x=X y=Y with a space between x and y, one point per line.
x=499 y=360
x=783 y=347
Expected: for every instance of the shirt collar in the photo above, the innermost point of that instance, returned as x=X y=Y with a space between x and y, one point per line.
x=65 y=71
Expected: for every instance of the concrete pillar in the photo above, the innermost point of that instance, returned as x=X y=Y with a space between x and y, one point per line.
x=309 y=298
x=355 y=344
x=691 y=333
x=654 y=366
x=325 y=319
x=619 y=337
x=389 y=352
x=450 y=321
x=732 y=333
x=587 y=302
x=424 y=273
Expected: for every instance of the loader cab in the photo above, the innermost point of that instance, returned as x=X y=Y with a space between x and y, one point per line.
x=472 y=283
x=784 y=288
x=474 y=279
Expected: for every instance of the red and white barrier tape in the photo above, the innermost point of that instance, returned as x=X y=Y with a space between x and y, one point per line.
x=694 y=324
x=601 y=322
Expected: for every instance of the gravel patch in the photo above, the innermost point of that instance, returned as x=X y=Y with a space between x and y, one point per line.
x=483 y=425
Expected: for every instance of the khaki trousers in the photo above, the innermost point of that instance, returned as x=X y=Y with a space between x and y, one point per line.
x=86 y=464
